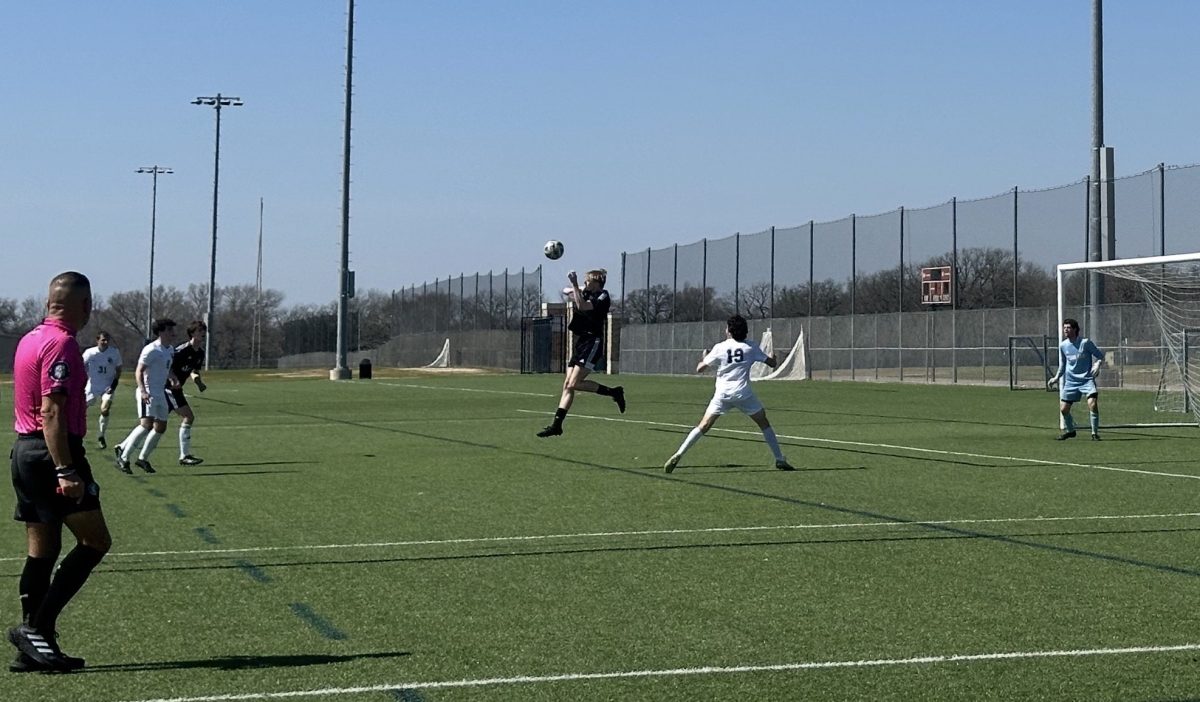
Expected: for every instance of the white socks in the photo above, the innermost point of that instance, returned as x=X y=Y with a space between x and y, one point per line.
x=151 y=442
x=131 y=441
x=103 y=425
x=185 y=440
x=692 y=437
x=769 y=435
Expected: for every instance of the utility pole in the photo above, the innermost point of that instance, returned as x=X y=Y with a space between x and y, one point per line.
x=155 y=172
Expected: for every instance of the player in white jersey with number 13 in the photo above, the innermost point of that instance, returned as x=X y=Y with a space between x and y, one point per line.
x=733 y=358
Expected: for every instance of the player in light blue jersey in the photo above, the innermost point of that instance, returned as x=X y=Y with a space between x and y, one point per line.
x=1079 y=362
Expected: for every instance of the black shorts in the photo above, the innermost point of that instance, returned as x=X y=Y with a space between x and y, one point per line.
x=176 y=399
x=35 y=482
x=589 y=350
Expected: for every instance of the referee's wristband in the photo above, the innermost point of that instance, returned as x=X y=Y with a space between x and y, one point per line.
x=64 y=471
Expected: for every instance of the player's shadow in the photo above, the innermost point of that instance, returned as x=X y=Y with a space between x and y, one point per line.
x=233 y=663
x=718 y=468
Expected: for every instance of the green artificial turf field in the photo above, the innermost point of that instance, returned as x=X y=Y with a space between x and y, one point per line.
x=408 y=538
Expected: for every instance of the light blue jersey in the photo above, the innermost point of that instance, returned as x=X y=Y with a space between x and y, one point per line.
x=1075 y=361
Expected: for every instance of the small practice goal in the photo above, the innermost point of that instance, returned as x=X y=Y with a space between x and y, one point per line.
x=793 y=367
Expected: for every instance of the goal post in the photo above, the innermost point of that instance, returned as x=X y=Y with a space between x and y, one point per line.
x=1152 y=346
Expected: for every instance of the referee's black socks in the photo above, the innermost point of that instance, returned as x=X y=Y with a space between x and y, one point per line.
x=72 y=573
x=35 y=581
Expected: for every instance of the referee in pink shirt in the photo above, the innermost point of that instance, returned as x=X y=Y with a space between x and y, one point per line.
x=51 y=476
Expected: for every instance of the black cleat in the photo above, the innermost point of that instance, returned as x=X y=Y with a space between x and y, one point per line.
x=619 y=397
x=1065 y=435
x=24 y=664
x=782 y=464
x=1095 y=437
x=41 y=650
x=190 y=460
x=144 y=465
x=552 y=430
x=122 y=464
x=102 y=442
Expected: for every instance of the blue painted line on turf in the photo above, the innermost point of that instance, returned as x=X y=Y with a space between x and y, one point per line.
x=256 y=574
x=175 y=510
x=206 y=535
x=316 y=621
x=407 y=695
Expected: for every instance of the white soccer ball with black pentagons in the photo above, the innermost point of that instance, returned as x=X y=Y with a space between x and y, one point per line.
x=553 y=249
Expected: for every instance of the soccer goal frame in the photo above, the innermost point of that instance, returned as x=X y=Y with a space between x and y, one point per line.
x=1151 y=272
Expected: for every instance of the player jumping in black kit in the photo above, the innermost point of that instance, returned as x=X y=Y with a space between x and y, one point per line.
x=591 y=311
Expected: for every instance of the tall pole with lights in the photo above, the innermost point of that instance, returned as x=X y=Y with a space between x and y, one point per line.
x=216 y=102
x=341 y=370
x=155 y=172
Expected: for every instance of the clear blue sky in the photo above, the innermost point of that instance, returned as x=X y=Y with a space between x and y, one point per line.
x=481 y=129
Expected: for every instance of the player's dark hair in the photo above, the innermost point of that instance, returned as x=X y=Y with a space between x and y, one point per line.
x=161 y=325
x=738 y=328
x=195 y=327
x=1071 y=323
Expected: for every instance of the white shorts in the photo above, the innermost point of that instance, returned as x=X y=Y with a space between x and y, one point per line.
x=158 y=408
x=104 y=399
x=747 y=403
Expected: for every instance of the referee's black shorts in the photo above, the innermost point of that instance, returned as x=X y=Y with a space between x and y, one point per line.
x=176 y=399
x=588 y=351
x=35 y=482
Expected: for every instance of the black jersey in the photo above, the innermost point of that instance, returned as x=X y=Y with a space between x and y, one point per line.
x=591 y=322
x=188 y=359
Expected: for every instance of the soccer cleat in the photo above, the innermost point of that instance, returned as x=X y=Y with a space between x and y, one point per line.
x=102 y=442
x=782 y=464
x=552 y=430
x=1065 y=435
x=669 y=466
x=144 y=465
x=190 y=460
x=1095 y=437
x=24 y=664
x=41 y=650
x=619 y=397
x=122 y=464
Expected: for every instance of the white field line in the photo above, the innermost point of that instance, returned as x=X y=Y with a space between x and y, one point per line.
x=677 y=672
x=649 y=532
x=866 y=444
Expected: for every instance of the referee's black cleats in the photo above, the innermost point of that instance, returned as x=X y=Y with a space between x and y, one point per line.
x=122 y=464
x=102 y=442
x=552 y=430
x=1065 y=435
x=1095 y=437
x=144 y=465
x=41 y=650
x=618 y=396
x=190 y=460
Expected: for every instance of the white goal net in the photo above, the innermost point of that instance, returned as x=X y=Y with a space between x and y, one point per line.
x=443 y=359
x=1145 y=314
x=794 y=367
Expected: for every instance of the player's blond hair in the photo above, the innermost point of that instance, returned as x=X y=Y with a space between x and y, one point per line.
x=600 y=275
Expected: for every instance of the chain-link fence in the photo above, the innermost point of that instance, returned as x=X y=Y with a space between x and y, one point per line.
x=932 y=346
x=1003 y=249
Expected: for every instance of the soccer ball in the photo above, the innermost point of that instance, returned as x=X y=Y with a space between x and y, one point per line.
x=553 y=249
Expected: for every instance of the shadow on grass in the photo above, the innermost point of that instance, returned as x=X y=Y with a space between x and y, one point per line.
x=232 y=663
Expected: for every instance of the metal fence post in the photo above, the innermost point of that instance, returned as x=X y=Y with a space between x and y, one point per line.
x=771 y=313
x=704 y=280
x=853 y=286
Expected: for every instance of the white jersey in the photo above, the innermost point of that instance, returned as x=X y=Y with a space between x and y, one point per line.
x=156 y=357
x=733 y=360
x=101 y=368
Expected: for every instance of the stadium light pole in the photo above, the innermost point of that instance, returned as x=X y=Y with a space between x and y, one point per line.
x=216 y=102
x=341 y=370
x=154 y=171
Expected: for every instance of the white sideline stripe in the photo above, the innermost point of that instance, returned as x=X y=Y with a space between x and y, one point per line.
x=648 y=532
x=914 y=449
x=675 y=672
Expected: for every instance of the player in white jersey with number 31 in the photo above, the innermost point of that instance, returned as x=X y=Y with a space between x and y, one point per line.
x=103 y=363
x=733 y=358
